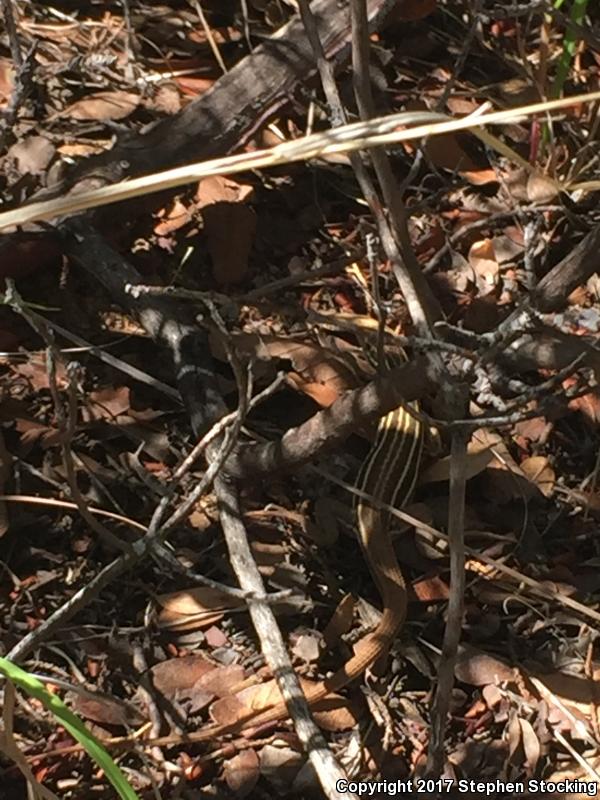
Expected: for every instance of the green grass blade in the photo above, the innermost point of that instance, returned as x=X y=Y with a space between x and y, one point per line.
x=71 y=723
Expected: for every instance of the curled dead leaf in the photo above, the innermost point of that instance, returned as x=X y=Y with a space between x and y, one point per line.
x=531 y=746
x=341 y=620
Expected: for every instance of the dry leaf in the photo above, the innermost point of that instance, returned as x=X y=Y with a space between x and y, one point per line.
x=81 y=149
x=227 y=711
x=341 y=620
x=508 y=246
x=541 y=188
x=325 y=529
x=446 y=152
x=242 y=772
x=261 y=696
x=177 y=674
x=539 y=471
x=221 y=189
x=576 y=692
x=479 y=669
x=480 y=177
x=306 y=648
x=108 y=403
x=531 y=746
x=32 y=155
x=502 y=459
x=35 y=373
x=492 y=695
x=477 y=460
x=335 y=715
x=106 y=710
x=7 y=80
x=589 y=405
x=222 y=680
x=193 y=608
x=103 y=106
x=280 y=765
x=320 y=373
x=429 y=590
x=166 y=99
x=534 y=430
x=32 y=432
x=518 y=92
x=191 y=86
x=513 y=731
x=172 y=218
x=505 y=481
x=332 y=713
x=215 y=637
x=170 y=621
x=482 y=259
x=269 y=554
x=198 y=600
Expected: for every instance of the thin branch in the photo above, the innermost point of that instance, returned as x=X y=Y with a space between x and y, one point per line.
x=423 y=306
x=456 y=524
x=272 y=644
x=331 y=426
